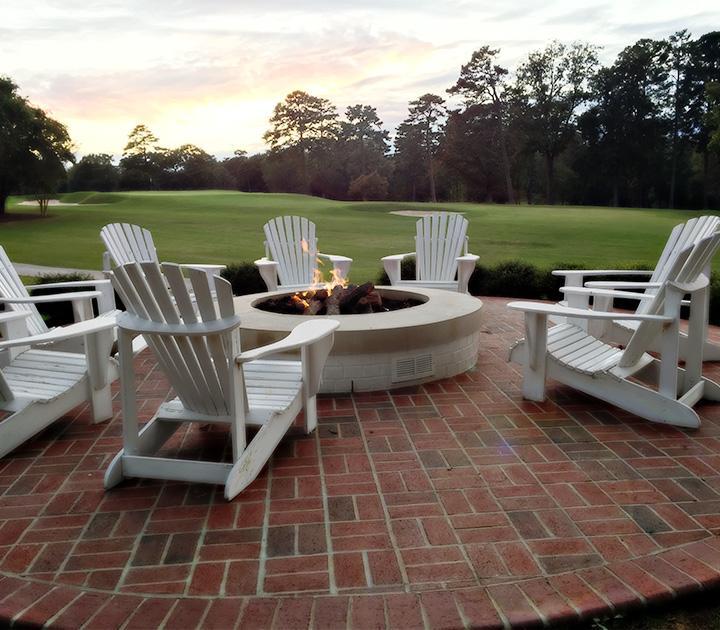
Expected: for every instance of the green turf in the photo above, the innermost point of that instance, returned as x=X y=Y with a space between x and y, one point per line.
x=224 y=227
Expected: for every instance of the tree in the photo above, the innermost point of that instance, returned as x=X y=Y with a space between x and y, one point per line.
x=624 y=131
x=713 y=118
x=246 y=171
x=365 y=140
x=554 y=80
x=302 y=123
x=471 y=151
x=703 y=70
x=141 y=142
x=424 y=127
x=410 y=173
x=483 y=82
x=678 y=53
x=140 y=163
x=94 y=171
x=371 y=187
x=34 y=148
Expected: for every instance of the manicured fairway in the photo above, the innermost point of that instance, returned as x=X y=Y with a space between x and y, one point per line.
x=225 y=227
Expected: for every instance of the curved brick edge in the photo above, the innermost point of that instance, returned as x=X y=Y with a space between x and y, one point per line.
x=564 y=598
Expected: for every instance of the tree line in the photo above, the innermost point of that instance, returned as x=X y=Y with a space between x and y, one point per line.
x=559 y=128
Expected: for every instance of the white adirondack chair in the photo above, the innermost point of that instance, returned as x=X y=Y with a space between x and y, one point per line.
x=14 y=295
x=126 y=242
x=39 y=385
x=578 y=291
x=441 y=255
x=214 y=381
x=291 y=255
x=657 y=390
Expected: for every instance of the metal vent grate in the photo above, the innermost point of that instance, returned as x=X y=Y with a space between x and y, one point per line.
x=410 y=368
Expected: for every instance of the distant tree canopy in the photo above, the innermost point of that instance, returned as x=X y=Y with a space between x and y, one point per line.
x=33 y=147
x=643 y=130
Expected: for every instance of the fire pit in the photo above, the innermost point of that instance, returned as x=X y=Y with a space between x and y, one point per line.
x=336 y=300
x=433 y=335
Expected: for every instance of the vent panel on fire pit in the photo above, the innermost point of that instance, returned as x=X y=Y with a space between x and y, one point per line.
x=410 y=368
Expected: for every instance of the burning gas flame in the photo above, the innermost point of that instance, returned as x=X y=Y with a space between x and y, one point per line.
x=318 y=282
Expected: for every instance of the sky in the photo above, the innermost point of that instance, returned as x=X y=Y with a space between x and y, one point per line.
x=209 y=72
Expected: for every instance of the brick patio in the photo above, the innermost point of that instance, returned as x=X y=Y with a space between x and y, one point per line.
x=456 y=504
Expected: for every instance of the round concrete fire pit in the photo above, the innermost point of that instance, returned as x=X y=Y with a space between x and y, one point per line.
x=436 y=339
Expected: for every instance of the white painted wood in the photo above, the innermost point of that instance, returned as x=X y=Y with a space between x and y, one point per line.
x=534 y=372
x=38 y=386
x=291 y=254
x=197 y=345
x=683 y=235
x=125 y=242
x=629 y=377
x=441 y=255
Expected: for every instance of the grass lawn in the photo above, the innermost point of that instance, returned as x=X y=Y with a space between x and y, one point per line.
x=225 y=227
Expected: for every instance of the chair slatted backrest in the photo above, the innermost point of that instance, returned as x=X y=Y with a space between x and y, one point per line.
x=682 y=236
x=291 y=242
x=12 y=287
x=439 y=240
x=687 y=267
x=128 y=243
x=198 y=366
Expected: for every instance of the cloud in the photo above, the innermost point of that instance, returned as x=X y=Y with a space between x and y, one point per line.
x=211 y=72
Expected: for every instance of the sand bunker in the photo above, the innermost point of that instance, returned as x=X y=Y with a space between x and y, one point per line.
x=51 y=202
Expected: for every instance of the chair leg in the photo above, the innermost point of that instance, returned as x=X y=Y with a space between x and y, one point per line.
x=533 y=387
x=310 y=414
x=257 y=453
x=101 y=401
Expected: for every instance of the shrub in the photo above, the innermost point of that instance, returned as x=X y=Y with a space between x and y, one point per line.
x=59 y=313
x=407 y=272
x=372 y=187
x=715 y=300
x=244 y=278
x=514 y=279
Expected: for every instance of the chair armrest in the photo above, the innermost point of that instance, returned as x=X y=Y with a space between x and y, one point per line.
x=335 y=257
x=268 y=272
x=55 y=297
x=302 y=335
x=605 y=293
x=466 y=266
x=690 y=287
x=140 y=326
x=203 y=267
x=9 y=316
x=69 y=285
x=398 y=257
x=596 y=284
x=555 y=309
x=602 y=272
x=393 y=266
x=103 y=322
x=340 y=263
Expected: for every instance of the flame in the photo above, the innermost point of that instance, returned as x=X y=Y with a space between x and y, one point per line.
x=318 y=282
x=297 y=298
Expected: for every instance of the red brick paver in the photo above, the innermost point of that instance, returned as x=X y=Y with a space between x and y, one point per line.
x=455 y=504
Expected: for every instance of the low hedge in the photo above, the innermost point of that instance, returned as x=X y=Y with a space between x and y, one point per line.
x=244 y=278
x=512 y=278
x=59 y=313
